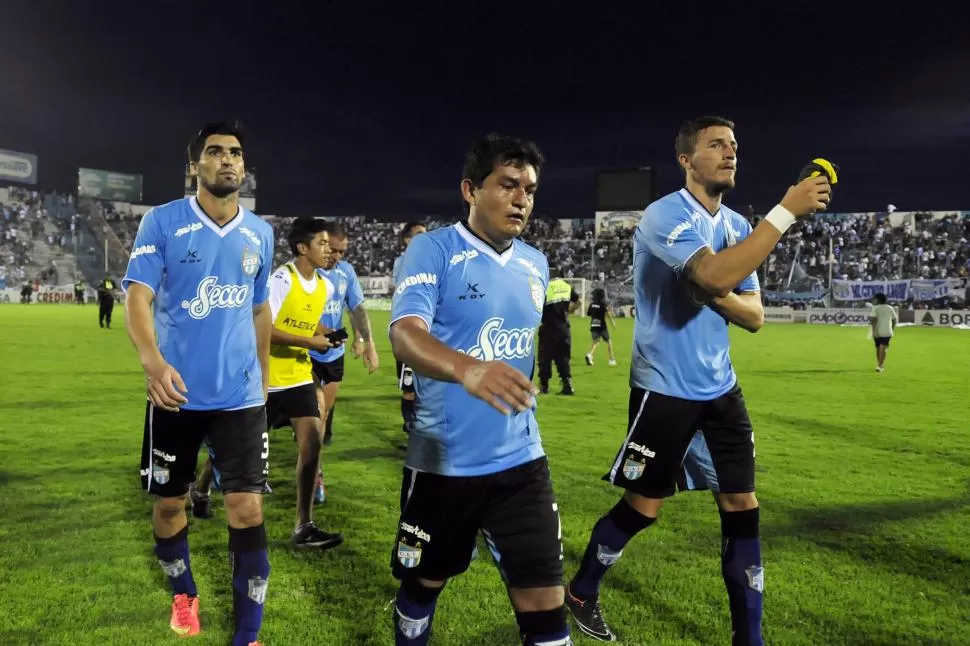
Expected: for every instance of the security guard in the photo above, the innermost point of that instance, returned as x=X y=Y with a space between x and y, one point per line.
x=106 y=302
x=79 y=292
x=555 y=344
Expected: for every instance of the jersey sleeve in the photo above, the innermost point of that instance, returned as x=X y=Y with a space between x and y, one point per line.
x=668 y=233
x=354 y=295
x=278 y=288
x=261 y=286
x=147 y=262
x=422 y=268
x=396 y=270
x=751 y=283
x=331 y=293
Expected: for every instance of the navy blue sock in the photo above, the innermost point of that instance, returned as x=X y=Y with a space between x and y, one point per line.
x=173 y=556
x=743 y=574
x=413 y=613
x=250 y=577
x=544 y=627
x=610 y=535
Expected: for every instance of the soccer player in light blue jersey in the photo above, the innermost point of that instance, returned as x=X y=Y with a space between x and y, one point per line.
x=198 y=279
x=405 y=376
x=464 y=317
x=694 y=271
x=328 y=367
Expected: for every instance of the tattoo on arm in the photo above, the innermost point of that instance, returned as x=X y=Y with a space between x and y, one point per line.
x=360 y=320
x=690 y=269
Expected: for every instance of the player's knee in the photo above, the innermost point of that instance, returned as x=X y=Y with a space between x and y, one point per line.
x=168 y=509
x=529 y=600
x=649 y=507
x=551 y=621
x=737 y=501
x=244 y=509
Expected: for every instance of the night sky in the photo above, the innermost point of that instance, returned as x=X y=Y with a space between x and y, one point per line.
x=368 y=109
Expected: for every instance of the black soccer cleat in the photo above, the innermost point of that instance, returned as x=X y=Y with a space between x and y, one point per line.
x=201 y=503
x=567 y=387
x=328 y=438
x=589 y=617
x=310 y=536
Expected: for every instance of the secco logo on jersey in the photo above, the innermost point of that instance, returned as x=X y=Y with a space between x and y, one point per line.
x=181 y=231
x=680 y=228
x=212 y=295
x=494 y=342
x=142 y=250
x=466 y=254
x=417 y=279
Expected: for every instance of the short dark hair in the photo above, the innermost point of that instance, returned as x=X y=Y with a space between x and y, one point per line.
x=303 y=230
x=197 y=143
x=499 y=150
x=598 y=295
x=880 y=298
x=336 y=230
x=686 y=141
x=408 y=230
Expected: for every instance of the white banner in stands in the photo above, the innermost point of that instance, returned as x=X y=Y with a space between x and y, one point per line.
x=375 y=285
x=942 y=318
x=779 y=315
x=50 y=294
x=838 y=316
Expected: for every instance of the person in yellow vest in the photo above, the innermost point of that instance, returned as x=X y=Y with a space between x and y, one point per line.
x=297 y=297
x=555 y=342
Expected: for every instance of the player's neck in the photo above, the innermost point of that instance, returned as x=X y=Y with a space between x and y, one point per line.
x=498 y=245
x=710 y=202
x=219 y=209
x=303 y=266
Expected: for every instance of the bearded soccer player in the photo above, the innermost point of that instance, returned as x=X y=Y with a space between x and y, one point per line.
x=298 y=296
x=328 y=367
x=405 y=376
x=694 y=271
x=203 y=264
x=464 y=317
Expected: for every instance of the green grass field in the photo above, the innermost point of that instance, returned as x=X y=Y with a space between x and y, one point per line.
x=863 y=480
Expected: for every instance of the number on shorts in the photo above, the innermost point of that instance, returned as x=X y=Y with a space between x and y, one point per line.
x=265 y=453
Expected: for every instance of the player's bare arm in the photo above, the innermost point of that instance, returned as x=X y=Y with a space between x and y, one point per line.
x=165 y=386
x=720 y=273
x=744 y=310
x=263 y=323
x=494 y=382
x=361 y=324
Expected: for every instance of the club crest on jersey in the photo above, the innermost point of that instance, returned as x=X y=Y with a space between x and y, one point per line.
x=250 y=262
x=538 y=293
x=159 y=474
x=409 y=556
x=632 y=469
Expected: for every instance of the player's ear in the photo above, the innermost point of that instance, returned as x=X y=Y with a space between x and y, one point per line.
x=194 y=169
x=468 y=191
x=685 y=161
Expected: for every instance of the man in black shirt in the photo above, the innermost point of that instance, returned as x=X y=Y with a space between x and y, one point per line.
x=555 y=344
x=106 y=302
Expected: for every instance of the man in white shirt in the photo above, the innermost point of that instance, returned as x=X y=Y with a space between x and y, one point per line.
x=883 y=320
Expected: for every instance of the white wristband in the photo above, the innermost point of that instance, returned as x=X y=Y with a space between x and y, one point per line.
x=780 y=218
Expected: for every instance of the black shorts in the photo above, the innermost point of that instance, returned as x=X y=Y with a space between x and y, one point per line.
x=284 y=405
x=170 y=448
x=515 y=510
x=600 y=333
x=660 y=431
x=329 y=372
x=882 y=340
x=405 y=378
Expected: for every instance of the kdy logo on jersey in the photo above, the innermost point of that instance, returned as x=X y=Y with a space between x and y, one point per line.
x=211 y=295
x=250 y=262
x=495 y=342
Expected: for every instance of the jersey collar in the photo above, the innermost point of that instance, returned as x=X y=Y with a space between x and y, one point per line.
x=715 y=217
x=483 y=247
x=221 y=231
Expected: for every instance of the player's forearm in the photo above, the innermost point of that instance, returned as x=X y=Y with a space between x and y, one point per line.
x=263 y=324
x=360 y=323
x=141 y=330
x=719 y=273
x=279 y=337
x=426 y=355
x=743 y=310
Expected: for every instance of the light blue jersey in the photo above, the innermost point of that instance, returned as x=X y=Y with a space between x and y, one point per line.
x=488 y=306
x=681 y=349
x=206 y=280
x=396 y=270
x=347 y=292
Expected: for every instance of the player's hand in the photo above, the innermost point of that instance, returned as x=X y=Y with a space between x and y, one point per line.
x=166 y=390
x=808 y=196
x=357 y=348
x=320 y=343
x=371 y=361
x=497 y=383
